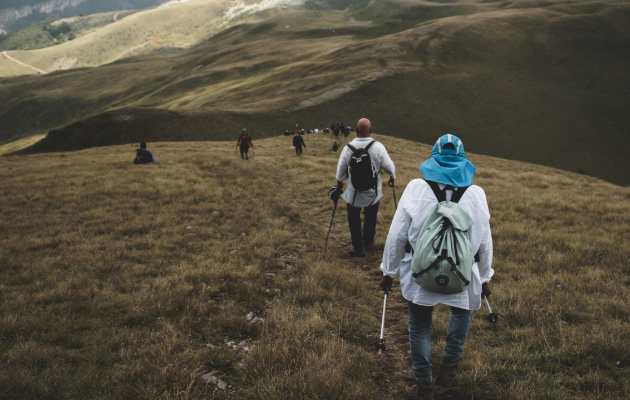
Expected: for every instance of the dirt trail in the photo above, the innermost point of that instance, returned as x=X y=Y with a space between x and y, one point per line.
x=4 y=53
x=395 y=376
x=395 y=363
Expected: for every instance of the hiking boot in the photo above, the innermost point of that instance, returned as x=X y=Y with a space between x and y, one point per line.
x=447 y=374
x=355 y=253
x=421 y=391
x=369 y=246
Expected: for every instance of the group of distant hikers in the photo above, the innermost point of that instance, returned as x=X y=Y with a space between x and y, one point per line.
x=439 y=243
x=340 y=129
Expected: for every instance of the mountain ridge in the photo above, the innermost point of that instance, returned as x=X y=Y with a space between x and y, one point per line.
x=515 y=82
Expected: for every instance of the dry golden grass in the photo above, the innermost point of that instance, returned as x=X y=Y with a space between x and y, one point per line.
x=11 y=68
x=107 y=293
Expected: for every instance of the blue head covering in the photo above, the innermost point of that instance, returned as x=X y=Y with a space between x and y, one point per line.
x=448 y=165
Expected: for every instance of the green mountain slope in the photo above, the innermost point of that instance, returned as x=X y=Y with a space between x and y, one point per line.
x=17 y=14
x=53 y=33
x=544 y=84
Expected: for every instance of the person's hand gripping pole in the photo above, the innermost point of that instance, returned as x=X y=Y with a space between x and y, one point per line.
x=334 y=194
x=391 y=184
x=485 y=292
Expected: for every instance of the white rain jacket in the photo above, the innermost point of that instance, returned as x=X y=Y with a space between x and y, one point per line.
x=380 y=159
x=415 y=206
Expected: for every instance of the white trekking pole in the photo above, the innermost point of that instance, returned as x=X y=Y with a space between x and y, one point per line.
x=381 y=345
x=492 y=317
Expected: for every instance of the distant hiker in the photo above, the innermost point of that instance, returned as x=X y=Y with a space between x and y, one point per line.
x=335 y=147
x=286 y=133
x=245 y=142
x=336 y=131
x=298 y=142
x=448 y=175
x=143 y=156
x=362 y=160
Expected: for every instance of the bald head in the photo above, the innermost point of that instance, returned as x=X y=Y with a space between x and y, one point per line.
x=364 y=128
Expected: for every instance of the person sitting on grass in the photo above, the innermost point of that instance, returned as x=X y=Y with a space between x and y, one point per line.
x=143 y=156
x=446 y=173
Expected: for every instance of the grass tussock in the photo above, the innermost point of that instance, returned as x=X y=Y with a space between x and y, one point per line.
x=139 y=281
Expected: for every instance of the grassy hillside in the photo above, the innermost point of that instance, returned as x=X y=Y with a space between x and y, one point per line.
x=138 y=281
x=520 y=80
x=52 y=33
x=11 y=68
x=55 y=11
x=169 y=26
x=20 y=144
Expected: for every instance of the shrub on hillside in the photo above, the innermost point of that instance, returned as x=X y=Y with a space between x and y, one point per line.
x=56 y=31
x=36 y=36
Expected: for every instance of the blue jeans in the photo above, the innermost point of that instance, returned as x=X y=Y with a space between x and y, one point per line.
x=420 y=321
x=365 y=236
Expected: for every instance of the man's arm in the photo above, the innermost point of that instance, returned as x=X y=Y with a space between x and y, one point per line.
x=342 y=167
x=387 y=164
x=397 y=239
x=485 y=262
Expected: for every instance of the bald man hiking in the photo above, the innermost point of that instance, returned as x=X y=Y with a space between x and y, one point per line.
x=362 y=160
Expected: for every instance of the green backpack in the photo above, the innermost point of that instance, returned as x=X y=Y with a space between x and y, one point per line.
x=443 y=258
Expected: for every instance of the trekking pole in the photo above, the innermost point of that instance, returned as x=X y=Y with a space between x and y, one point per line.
x=381 y=345
x=331 y=221
x=492 y=317
x=390 y=183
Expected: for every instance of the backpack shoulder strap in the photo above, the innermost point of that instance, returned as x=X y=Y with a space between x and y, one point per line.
x=441 y=196
x=457 y=194
x=351 y=148
x=369 y=145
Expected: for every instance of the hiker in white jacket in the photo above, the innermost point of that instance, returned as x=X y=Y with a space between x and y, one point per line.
x=450 y=169
x=362 y=238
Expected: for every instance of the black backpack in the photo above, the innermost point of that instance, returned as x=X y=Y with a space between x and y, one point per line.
x=362 y=172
